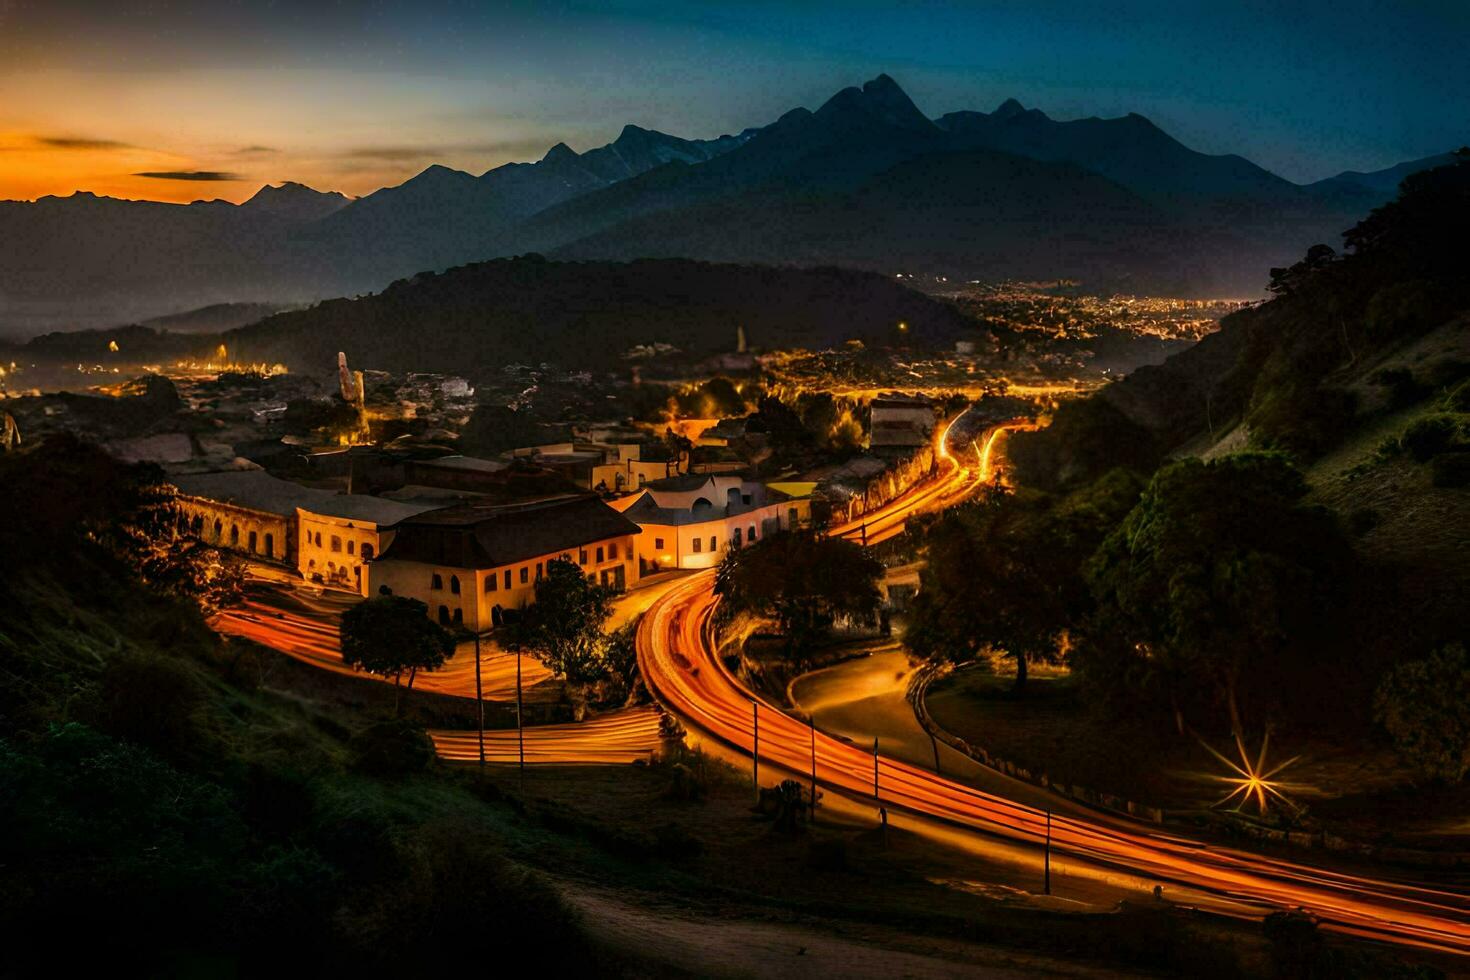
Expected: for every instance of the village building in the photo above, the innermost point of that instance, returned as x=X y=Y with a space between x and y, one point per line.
x=340 y=533
x=899 y=424
x=472 y=563
x=247 y=511
x=691 y=521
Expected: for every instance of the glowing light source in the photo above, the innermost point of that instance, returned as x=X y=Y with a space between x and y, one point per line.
x=1254 y=780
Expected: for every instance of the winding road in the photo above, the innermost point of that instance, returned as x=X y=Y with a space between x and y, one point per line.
x=677 y=655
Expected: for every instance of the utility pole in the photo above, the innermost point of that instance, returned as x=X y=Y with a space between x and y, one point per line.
x=1047 y=873
x=520 y=727
x=812 y=721
x=479 y=703
x=933 y=742
x=875 y=767
x=755 y=756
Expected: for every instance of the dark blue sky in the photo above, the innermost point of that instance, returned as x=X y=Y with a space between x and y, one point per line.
x=356 y=94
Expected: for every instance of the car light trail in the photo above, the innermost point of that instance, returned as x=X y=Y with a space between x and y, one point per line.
x=616 y=738
x=678 y=660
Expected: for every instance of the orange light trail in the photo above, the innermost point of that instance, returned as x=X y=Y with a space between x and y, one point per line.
x=678 y=659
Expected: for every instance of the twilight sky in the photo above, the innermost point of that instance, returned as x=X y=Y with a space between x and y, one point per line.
x=176 y=100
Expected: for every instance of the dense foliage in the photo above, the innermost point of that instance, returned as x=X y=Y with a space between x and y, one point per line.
x=1422 y=704
x=804 y=581
x=1005 y=574
x=565 y=628
x=390 y=634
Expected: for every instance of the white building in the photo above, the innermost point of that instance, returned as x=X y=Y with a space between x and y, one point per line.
x=691 y=521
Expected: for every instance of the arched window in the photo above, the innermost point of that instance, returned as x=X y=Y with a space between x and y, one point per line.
x=318 y=539
x=250 y=543
x=311 y=565
x=270 y=545
x=497 y=618
x=701 y=503
x=351 y=547
x=234 y=535
x=436 y=582
x=197 y=525
x=367 y=552
x=444 y=615
x=219 y=530
x=336 y=543
x=751 y=535
x=737 y=537
x=454 y=584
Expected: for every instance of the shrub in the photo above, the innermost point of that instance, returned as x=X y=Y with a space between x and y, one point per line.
x=1421 y=704
x=1429 y=436
x=150 y=700
x=1457 y=399
x=392 y=748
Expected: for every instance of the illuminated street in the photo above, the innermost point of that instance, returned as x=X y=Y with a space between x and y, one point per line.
x=679 y=662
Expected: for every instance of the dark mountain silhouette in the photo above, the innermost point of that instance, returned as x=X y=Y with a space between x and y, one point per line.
x=477 y=318
x=864 y=180
x=1379 y=186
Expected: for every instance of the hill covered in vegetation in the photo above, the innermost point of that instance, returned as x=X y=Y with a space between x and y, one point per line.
x=588 y=314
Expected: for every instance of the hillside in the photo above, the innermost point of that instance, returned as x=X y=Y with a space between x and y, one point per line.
x=1293 y=374
x=477 y=318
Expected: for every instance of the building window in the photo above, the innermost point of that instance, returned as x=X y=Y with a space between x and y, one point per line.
x=492 y=583
x=318 y=539
x=454 y=584
x=751 y=535
x=507 y=578
x=234 y=535
x=251 y=542
x=444 y=615
x=437 y=582
x=336 y=544
x=658 y=544
x=270 y=546
x=599 y=556
x=458 y=616
x=539 y=575
x=582 y=556
x=737 y=537
x=525 y=574
x=698 y=545
x=352 y=547
x=791 y=517
x=612 y=552
x=367 y=552
x=713 y=546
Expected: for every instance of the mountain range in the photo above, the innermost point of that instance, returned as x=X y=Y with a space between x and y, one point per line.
x=867 y=180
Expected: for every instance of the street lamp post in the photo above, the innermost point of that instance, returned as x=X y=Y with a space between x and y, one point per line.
x=875 y=767
x=812 y=721
x=1046 y=881
x=479 y=703
x=520 y=727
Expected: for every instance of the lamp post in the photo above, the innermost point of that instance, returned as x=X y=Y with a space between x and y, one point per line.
x=520 y=727
x=479 y=703
x=875 y=767
x=1046 y=880
x=812 y=722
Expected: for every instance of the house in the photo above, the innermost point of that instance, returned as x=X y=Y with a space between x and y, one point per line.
x=899 y=424
x=631 y=466
x=691 y=521
x=473 y=562
x=339 y=534
x=248 y=511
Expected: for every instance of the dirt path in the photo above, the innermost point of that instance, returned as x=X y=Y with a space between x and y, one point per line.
x=703 y=945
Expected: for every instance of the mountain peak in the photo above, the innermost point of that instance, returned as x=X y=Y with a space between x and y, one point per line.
x=291 y=197
x=879 y=99
x=1009 y=109
x=560 y=153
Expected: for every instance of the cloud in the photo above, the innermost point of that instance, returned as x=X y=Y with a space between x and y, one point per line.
x=189 y=175
x=532 y=146
x=81 y=143
x=255 y=150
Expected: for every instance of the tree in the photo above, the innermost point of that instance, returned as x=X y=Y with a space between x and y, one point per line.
x=1006 y=573
x=389 y=634
x=1422 y=706
x=804 y=581
x=563 y=628
x=1219 y=588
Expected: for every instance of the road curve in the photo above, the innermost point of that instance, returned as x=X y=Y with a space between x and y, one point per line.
x=678 y=659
